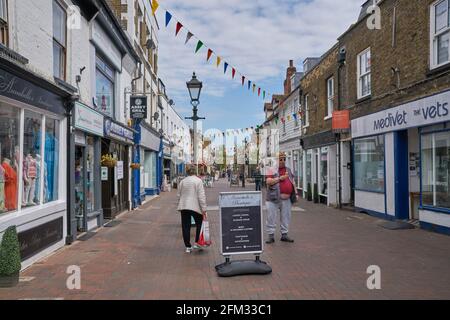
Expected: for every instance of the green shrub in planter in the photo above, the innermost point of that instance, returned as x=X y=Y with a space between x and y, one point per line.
x=9 y=258
x=308 y=192
x=316 y=193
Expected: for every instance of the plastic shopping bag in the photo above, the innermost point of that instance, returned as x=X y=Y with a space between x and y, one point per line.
x=205 y=238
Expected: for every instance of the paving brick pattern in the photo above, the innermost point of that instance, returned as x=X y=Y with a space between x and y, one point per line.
x=143 y=258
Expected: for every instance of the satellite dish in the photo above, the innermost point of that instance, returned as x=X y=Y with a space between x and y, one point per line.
x=171 y=102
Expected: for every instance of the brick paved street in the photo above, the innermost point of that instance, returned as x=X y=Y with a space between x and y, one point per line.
x=143 y=258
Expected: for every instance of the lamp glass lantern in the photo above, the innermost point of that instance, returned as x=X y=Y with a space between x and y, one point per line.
x=195 y=87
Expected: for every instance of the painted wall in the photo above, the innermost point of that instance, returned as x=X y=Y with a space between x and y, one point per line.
x=436 y=218
x=370 y=201
x=390 y=173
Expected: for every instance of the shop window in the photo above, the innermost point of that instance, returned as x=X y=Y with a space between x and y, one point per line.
x=364 y=74
x=59 y=41
x=435 y=169
x=323 y=183
x=51 y=160
x=369 y=164
x=32 y=162
x=150 y=170
x=330 y=97
x=142 y=171
x=104 y=87
x=9 y=158
x=308 y=167
x=90 y=174
x=440 y=33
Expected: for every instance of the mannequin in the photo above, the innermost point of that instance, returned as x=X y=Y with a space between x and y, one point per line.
x=29 y=178
x=37 y=192
x=10 y=185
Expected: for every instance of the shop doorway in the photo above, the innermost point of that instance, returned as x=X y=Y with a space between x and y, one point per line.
x=115 y=196
x=401 y=175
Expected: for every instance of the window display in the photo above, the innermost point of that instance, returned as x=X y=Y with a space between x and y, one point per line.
x=369 y=164
x=436 y=169
x=90 y=186
x=9 y=155
x=150 y=170
x=308 y=167
x=51 y=160
x=79 y=189
x=31 y=159
x=323 y=172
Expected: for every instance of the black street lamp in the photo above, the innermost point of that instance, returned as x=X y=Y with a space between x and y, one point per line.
x=195 y=87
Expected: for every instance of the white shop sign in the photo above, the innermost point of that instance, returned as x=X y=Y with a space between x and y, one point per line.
x=427 y=111
x=88 y=120
x=119 y=170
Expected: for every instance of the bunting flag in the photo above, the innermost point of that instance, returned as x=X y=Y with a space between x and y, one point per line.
x=168 y=18
x=199 y=45
x=178 y=28
x=210 y=52
x=155 y=6
x=225 y=66
x=295 y=116
x=276 y=120
x=289 y=117
x=188 y=37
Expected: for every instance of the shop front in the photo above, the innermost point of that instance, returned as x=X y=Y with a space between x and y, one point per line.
x=116 y=149
x=87 y=206
x=33 y=131
x=401 y=162
x=318 y=163
x=150 y=141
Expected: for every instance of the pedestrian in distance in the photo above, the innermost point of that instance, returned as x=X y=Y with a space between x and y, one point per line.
x=192 y=203
x=258 y=179
x=242 y=176
x=281 y=193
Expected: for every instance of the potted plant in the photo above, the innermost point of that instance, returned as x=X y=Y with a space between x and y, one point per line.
x=308 y=192
x=9 y=258
x=316 y=193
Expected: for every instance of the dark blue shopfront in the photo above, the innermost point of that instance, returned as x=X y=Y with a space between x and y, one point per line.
x=148 y=174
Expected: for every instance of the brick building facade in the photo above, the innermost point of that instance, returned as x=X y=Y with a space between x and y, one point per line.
x=393 y=162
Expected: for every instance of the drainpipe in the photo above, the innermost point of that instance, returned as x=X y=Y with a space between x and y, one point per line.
x=338 y=135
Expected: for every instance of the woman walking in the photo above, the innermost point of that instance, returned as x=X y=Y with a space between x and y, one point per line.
x=192 y=203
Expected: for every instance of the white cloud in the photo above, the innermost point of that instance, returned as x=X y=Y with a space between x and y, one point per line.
x=257 y=37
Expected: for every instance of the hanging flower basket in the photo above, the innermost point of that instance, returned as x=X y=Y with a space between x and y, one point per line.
x=108 y=161
x=135 y=165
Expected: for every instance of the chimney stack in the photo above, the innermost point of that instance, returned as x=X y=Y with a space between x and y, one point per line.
x=291 y=70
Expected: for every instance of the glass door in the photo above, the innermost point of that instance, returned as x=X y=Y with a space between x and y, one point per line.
x=80 y=206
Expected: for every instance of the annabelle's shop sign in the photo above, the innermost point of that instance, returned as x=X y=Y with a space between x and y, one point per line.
x=423 y=112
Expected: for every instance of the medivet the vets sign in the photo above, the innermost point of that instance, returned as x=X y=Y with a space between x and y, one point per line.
x=426 y=111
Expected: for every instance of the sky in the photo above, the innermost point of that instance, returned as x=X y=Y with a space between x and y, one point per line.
x=256 y=37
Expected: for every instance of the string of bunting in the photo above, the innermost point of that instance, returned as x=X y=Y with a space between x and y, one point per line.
x=200 y=44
